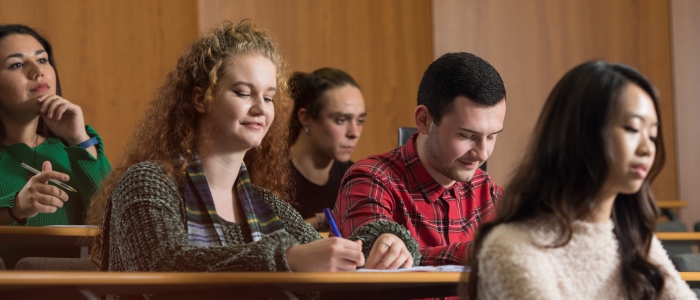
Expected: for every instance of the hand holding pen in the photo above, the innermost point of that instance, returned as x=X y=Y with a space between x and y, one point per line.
x=388 y=251
x=326 y=255
x=54 y=181
x=37 y=196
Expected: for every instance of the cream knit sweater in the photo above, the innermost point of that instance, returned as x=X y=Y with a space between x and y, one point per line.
x=513 y=264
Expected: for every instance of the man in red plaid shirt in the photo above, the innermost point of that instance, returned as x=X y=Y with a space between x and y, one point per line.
x=432 y=188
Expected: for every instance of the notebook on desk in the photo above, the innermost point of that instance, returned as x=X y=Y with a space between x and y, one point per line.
x=445 y=268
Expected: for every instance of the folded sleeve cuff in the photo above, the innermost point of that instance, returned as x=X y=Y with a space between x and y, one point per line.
x=370 y=232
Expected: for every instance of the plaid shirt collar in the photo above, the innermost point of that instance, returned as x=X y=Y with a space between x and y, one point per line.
x=419 y=177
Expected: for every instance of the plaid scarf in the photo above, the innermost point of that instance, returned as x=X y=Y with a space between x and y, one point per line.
x=203 y=229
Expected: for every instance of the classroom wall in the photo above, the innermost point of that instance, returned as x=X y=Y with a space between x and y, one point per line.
x=111 y=56
x=533 y=43
x=685 y=38
x=385 y=45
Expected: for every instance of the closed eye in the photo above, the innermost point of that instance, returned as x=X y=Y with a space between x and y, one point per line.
x=631 y=129
x=242 y=95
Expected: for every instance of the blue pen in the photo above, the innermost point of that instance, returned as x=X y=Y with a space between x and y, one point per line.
x=331 y=222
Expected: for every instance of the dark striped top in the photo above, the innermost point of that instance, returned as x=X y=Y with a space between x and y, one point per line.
x=85 y=171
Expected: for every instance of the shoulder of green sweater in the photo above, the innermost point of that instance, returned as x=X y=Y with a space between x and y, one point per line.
x=370 y=232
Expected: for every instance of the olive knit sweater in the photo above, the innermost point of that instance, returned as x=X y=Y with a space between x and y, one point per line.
x=145 y=230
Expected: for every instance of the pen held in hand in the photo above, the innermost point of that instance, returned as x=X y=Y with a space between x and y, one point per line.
x=331 y=222
x=54 y=181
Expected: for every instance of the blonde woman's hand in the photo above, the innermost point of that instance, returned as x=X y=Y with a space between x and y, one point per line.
x=64 y=118
x=326 y=255
x=389 y=252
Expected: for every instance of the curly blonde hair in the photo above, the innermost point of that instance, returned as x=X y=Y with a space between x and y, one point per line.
x=167 y=134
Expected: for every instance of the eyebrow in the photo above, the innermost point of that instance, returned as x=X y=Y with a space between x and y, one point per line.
x=341 y=114
x=250 y=85
x=476 y=132
x=20 y=55
x=633 y=116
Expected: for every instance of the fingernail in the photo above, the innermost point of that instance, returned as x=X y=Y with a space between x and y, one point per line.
x=65 y=178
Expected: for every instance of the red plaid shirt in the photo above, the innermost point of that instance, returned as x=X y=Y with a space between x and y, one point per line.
x=396 y=187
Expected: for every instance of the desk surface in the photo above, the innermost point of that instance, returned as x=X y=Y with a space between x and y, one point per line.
x=154 y=282
x=103 y=283
x=46 y=236
x=678 y=236
x=672 y=204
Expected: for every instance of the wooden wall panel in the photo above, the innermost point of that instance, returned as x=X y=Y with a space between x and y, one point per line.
x=533 y=43
x=111 y=55
x=384 y=45
x=685 y=24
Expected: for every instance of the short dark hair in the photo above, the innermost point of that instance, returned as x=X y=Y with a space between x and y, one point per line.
x=459 y=74
x=307 y=91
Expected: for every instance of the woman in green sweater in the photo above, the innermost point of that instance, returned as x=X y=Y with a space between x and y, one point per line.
x=202 y=181
x=41 y=129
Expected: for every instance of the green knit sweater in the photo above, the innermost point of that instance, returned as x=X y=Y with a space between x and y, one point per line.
x=85 y=171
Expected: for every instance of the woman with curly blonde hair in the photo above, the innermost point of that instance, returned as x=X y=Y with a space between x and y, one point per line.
x=201 y=183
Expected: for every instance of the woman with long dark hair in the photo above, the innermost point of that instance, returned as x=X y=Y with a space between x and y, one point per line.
x=577 y=220
x=42 y=130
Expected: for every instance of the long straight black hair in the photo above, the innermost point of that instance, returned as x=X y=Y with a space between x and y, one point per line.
x=566 y=165
x=10 y=29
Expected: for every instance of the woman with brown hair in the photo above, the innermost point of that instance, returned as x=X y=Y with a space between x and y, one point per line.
x=577 y=220
x=201 y=183
x=325 y=126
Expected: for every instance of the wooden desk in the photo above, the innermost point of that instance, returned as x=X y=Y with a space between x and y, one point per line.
x=47 y=236
x=672 y=204
x=103 y=283
x=690 y=276
x=678 y=236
